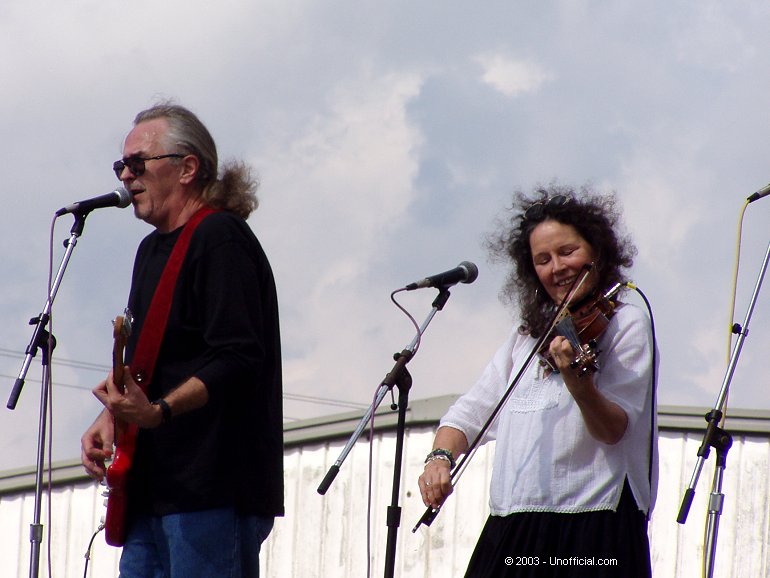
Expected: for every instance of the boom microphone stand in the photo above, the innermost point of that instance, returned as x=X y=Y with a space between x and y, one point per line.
x=399 y=377
x=43 y=340
x=719 y=439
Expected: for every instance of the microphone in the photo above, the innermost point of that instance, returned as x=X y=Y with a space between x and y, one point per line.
x=763 y=192
x=465 y=272
x=120 y=197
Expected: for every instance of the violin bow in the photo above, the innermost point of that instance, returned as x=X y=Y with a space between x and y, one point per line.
x=454 y=476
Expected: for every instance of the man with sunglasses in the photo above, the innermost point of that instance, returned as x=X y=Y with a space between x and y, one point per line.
x=206 y=478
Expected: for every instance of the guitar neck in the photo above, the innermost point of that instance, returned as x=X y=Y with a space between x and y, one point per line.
x=121 y=331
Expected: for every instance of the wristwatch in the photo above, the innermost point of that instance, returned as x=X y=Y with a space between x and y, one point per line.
x=165 y=409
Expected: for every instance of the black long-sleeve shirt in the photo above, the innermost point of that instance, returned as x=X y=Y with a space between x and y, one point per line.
x=223 y=329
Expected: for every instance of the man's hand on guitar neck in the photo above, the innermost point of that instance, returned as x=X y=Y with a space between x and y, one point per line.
x=128 y=403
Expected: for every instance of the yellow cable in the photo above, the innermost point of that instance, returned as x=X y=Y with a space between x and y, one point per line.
x=735 y=278
x=734 y=296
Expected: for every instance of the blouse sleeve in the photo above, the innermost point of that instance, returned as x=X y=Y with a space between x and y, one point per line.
x=626 y=362
x=471 y=411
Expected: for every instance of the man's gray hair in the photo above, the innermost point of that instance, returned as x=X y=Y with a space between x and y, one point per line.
x=235 y=189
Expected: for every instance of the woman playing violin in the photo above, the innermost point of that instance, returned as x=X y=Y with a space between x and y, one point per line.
x=575 y=466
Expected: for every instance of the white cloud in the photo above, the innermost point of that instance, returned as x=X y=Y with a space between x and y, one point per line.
x=348 y=175
x=343 y=182
x=512 y=77
x=384 y=149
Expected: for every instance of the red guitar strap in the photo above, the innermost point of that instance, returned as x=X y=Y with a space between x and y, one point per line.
x=154 y=326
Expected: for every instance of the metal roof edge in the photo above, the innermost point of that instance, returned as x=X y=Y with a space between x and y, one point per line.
x=738 y=421
x=316 y=430
x=328 y=428
x=421 y=412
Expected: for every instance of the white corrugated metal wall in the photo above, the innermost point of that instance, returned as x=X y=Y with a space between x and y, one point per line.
x=327 y=535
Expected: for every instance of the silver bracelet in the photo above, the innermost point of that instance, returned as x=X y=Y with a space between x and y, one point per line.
x=441 y=457
x=441 y=453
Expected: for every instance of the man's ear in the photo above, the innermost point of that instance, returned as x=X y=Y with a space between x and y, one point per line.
x=190 y=168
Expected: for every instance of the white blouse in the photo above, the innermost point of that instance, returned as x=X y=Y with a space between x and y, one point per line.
x=545 y=459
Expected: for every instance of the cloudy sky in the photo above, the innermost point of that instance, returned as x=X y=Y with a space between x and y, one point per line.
x=388 y=137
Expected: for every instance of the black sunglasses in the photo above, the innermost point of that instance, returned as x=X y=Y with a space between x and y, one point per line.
x=536 y=210
x=136 y=164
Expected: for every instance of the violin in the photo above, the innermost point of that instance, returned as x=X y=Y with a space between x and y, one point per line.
x=582 y=324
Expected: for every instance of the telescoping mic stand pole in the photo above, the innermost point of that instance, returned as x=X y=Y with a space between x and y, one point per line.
x=720 y=440
x=43 y=340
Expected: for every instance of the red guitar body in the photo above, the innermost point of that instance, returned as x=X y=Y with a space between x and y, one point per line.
x=117 y=479
x=125 y=442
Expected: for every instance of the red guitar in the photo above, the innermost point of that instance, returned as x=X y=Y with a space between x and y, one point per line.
x=125 y=442
x=144 y=358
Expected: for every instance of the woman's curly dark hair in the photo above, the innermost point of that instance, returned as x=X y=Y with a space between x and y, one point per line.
x=596 y=218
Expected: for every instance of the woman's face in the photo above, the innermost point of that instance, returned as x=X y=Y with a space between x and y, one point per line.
x=559 y=255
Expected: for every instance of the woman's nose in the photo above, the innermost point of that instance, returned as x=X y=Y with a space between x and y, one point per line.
x=557 y=263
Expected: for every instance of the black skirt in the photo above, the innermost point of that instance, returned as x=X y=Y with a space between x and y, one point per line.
x=603 y=544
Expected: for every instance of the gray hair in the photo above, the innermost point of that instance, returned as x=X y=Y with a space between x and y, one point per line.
x=235 y=189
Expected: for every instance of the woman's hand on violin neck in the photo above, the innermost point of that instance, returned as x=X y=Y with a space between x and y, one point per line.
x=563 y=356
x=561 y=352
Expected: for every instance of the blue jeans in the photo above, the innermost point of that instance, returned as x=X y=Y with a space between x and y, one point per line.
x=212 y=543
